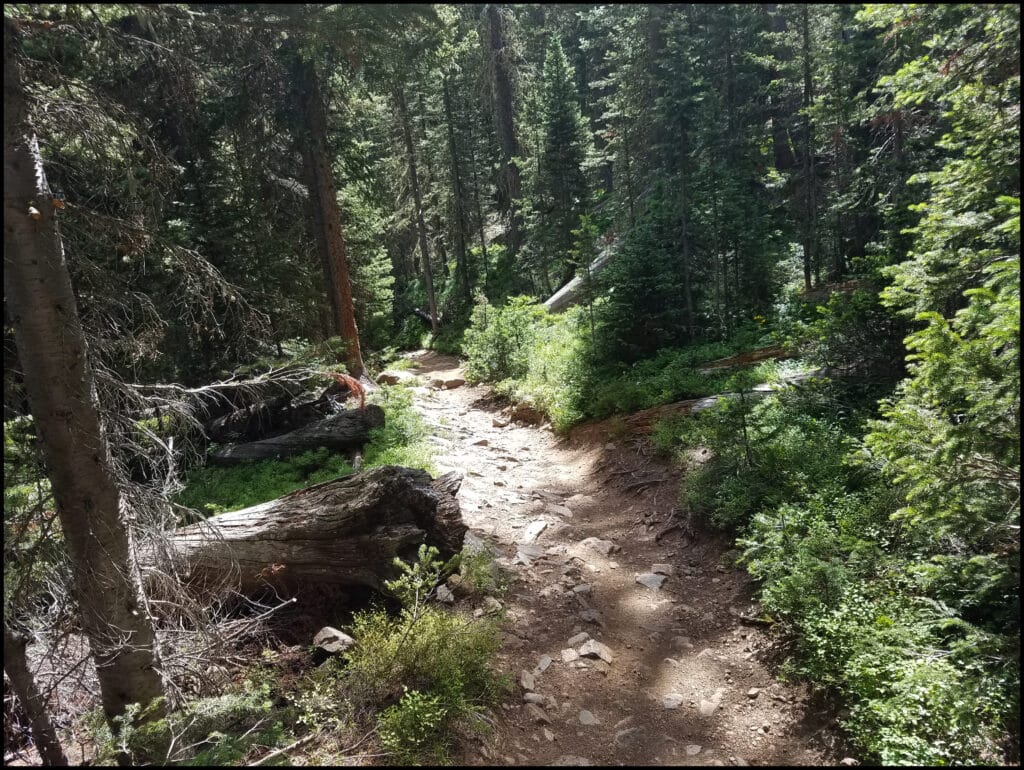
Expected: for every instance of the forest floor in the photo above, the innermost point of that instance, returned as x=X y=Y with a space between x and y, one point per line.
x=575 y=520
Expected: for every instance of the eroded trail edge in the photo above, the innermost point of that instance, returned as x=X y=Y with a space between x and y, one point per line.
x=626 y=636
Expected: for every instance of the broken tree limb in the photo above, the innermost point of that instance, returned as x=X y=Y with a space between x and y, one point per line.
x=342 y=532
x=340 y=432
x=570 y=293
x=643 y=421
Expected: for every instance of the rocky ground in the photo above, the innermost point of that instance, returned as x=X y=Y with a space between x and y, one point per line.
x=632 y=634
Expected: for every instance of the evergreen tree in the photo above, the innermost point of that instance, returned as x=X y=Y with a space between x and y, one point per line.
x=562 y=194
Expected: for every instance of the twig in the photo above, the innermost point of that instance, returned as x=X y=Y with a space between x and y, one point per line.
x=281 y=752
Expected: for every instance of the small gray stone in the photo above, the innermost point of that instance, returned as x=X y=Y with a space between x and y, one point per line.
x=672 y=701
x=708 y=707
x=591 y=616
x=586 y=718
x=533 y=530
x=682 y=643
x=543 y=663
x=849 y=761
x=332 y=640
x=548 y=735
x=627 y=736
x=664 y=569
x=569 y=655
x=650 y=580
x=527 y=681
x=453 y=383
x=481 y=442
x=445 y=595
x=571 y=760
x=579 y=639
x=582 y=588
x=537 y=714
x=559 y=510
x=595 y=649
x=692 y=749
x=603 y=547
x=491 y=605
x=533 y=697
x=753 y=692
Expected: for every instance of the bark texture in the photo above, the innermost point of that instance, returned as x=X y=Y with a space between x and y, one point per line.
x=503 y=87
x=323 y=200
x=421 y=227
x=342 y=532
x=340 y=432
x=24 y=685
x=59 y=383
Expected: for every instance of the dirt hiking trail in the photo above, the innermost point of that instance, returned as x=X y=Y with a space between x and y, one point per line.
x=609 y=670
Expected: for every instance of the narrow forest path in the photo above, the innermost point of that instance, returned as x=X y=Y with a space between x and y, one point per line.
x=575 y=521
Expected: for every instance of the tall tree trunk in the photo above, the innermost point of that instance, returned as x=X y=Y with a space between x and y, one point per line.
x=59 y=383
x=479 y=206
x=461 y=260
x=808 y=159
x=323 y=200
x=782 y=107
x=430 y=183
x=504 y=113
x=414 y=182
x=687 y=283
x=44 y=735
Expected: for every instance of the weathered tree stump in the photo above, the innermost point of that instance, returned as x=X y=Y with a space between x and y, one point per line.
x=340 y=432
x=344 y=532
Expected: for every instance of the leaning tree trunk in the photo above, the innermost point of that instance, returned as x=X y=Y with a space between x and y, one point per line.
x=24 y=684
x=323 y=198
x=340 y=432
x=340 y=533
x=59 y=383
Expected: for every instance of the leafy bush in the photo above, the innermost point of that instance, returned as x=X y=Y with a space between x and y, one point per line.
x=411 y=729
x=498 y=341
x=443 y=657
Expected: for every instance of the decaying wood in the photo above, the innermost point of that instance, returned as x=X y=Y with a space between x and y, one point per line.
x=776 y=352
x=340 y=432
x=267 y=418
x=342 y=532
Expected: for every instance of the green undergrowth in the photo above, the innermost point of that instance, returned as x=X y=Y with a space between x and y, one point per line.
x=400 y=441
x=549 y=362
x=916 y=631
x=417 y=680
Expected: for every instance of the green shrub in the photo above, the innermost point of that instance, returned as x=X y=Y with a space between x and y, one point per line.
x=499 y=340
x=443 y=656
x=402 y=439
x=411 y=730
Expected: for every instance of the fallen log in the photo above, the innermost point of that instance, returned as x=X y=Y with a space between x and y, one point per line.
x=643 y=421
x=340 y=432
x=268 y=418
x=342 y=532
x=575 y=290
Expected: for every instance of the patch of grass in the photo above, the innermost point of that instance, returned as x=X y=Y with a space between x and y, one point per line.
x=214 y=731
x=214 y=490
x=400 y=441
